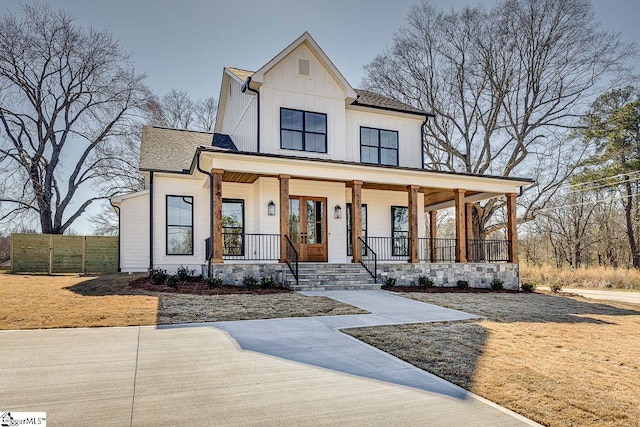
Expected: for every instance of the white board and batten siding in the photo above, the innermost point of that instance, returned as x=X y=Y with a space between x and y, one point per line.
x=408 y=128
x=240 y=118
x=318 y=92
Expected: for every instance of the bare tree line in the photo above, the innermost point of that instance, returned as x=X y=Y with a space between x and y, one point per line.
x=508 y=86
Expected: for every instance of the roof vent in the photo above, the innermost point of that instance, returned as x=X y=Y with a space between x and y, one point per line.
x=303 y=67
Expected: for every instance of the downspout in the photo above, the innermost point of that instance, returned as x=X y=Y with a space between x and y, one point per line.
x=150 y=220
x=210 y=175
x=247 y=87
x=426 y=119
x=119 y=236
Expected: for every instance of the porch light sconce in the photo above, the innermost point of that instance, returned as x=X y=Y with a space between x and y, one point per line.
x=271 y=208
x=337 y=212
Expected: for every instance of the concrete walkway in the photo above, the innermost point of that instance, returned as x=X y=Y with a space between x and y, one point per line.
x=197 y=374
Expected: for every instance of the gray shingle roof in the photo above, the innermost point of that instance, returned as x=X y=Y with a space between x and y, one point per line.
x=172 y=150
x=371 y=99
x=221 y=140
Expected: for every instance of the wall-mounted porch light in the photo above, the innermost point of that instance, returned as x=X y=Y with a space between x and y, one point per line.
x=337 y=212
x=271 y=208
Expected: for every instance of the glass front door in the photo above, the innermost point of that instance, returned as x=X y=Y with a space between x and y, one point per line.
x=308 y=227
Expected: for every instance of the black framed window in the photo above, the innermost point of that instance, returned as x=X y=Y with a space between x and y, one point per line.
x=378 y=146
x=303 y=130
x=350 y=225
x=179 y=225
x=233 y=226
x=399 y=230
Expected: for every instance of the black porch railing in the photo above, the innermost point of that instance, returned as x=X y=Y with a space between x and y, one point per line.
x=369 y=260
x=251 y=246
x=292 y=258
x=437 y=250
x=487 y=250
x=389 y=248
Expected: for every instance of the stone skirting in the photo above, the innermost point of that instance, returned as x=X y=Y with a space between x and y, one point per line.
x=479 y=275
x=232 y=274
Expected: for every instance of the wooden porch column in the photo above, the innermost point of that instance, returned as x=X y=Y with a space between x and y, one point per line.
x=512 y=231
x=468 y=215
x=433 y=235
x=461 y=243
x=284 y=215
x=356 y=220
x=413 y=223
x=216 y=256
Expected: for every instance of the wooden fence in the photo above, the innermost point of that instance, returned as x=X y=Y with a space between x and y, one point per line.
x=56 y=253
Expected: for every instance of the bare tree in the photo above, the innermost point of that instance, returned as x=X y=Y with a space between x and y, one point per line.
x=68 y=96
x=205 y=114
x=506 y=85
x=178 y=109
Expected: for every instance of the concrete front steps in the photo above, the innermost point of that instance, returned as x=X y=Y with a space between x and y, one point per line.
x=330 y=277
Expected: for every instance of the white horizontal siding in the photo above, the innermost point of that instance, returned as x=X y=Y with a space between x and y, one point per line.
x=134 y=234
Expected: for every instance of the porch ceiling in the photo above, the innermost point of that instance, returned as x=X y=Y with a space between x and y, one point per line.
x=432 y=196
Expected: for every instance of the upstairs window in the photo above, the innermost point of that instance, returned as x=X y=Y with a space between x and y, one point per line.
x=379 y=146
x=303 y=130
x=179 y=225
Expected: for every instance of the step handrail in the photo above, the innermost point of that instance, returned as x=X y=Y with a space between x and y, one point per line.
x=291 y=257
x=369 y=257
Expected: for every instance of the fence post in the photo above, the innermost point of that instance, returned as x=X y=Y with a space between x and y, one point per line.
x=50 y=253
x=13 y=260
x=84 y=258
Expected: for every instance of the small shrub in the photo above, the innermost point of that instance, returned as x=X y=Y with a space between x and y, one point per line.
x=425 y=282
x=528 y=287
x=157 y=276
x=214 y=282
x=556 y=287
x=267 y=282
x=497 y=284
x=250 y=282
x=389 y=282
x=184 y=273
x=462 y=284
x=173 y=282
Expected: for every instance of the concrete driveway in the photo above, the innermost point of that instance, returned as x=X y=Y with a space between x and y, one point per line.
x=620 y=296
x=199 y=375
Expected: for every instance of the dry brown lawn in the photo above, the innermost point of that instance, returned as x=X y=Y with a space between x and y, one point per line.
x=39 y=301
x=583 y=277
x=557 y=360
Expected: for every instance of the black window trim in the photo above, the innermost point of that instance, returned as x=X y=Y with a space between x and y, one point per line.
x=241 y=201
x=304 y=132
x=167 y=225
x=393 y=248
x=366 y=227
x=379 y=147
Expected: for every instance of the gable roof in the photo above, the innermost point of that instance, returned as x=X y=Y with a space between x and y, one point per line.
x=305 y=38
x=371 y=99
x=241 y=74
x=171 y=150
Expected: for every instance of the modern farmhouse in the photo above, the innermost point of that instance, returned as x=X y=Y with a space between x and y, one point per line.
x=312 y=181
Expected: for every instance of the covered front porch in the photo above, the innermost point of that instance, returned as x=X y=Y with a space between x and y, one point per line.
x=384 y=220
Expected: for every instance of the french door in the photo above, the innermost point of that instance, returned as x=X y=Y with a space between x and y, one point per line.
x=308 y=227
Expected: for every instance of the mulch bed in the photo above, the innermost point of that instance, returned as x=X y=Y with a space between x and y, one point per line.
x=447 y=290
x=199 y=287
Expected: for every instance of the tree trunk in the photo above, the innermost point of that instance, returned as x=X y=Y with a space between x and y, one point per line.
x=628 y=211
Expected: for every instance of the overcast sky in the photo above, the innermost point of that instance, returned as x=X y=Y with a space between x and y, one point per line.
x=185 y=44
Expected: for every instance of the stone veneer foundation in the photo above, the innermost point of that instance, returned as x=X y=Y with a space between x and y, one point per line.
x=479 y=275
